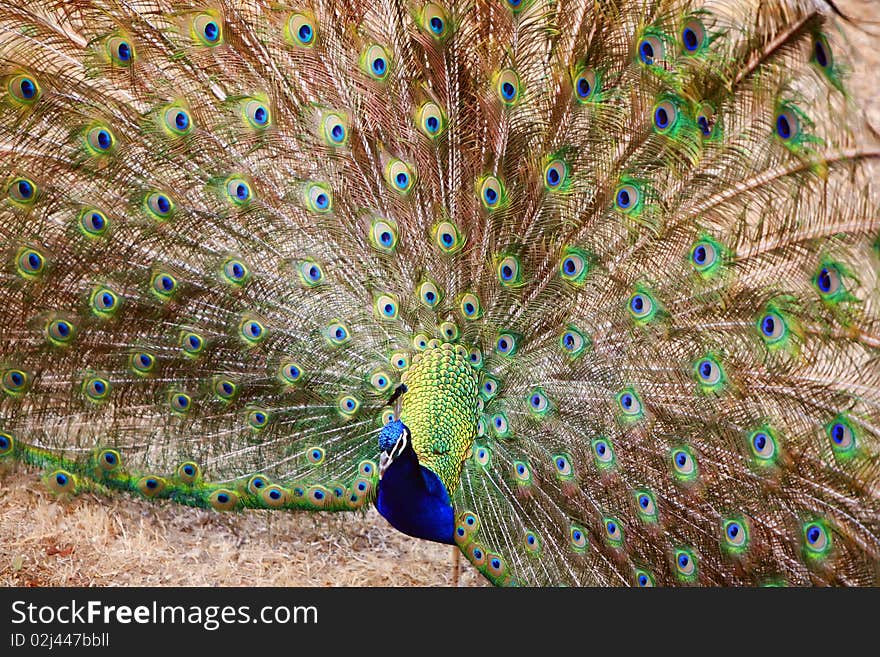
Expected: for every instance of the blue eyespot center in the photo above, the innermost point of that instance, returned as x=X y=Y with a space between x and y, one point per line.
x=402 y=180
x=689 y=37
x=379 y=66
x=337 y=132
x=768 y=325
x=626 y=400
x=189 y=470
x=61 y=479
x=436 y=24
x=683 y=560
x=661 y=118
x=821 y=54
x=223 y=498
x=123 y=52
x=583 y=88
x=28 y=88
x=601 y=448
x=508 y=90
x=25 y=189
x=644 y=502
x=305 y=33
x=733 y=530
x=813 y=534
x=705 y=369
x=783 y=127
x=339 y=333
x=110 y=458
x=432 y=124
x=181 y=120
x=646 y=52
x=760 y=441
x=211 y=31
x=552 y=177
x=261 y=115
x=623 y=199
x=700 y=255
x=569 y=266
x=838 y=433
x=705 y=128
x=824 y=280
x=643 y=580
x=637 y=303
x=104 y=140
x=681 y=459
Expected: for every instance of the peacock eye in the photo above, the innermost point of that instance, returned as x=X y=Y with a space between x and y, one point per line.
x=15 y=381
x=685 y=563
x=93 y=223
x=585 y=85
x=734 y=533
x=843 y=437
x=235 y=271
x=816 y=538
x=573 y=267
x=555 y=174
x=506 y=344
x=380 y=381
x=490 y=192
x=60 y=332
x=709 y=372
x=828 y=281
x=238 y=191
x=22 y=191
x=787 y=125
x=142 y=362
x=180 y=402
x=665 y=116
x=207 y=29
x=318 y=198
x=822 y=52
x=470 y=306
x=684 y=464
x=375 y=62
x=163 y=284
x=704 y=255
x=383 y=235
x=773 y=327
x=104 y=302
x=763 y=445
x=99 y=139
x=644 y=579
x=429 y=295
x=483 y=456
x=177 y=121
x=257 y=419
x=159 y=205
x=257 y=114
x=508 y=271
x=629 y=403
x=399 y=176
x=578 y=538
x=192 y=343
x=24 y=89
x=430 y=119
x=500 y=425
x=489 y=388
x=613 y=531
x=400 y=360
x=252 y=330
x=301 y=30
x=225 y=389
x=603 y=451
x=647 y=507
x=434 y=20
x=562 y=462
x=538 y=402
x=96 y=388
x=572 y=342
x=641 y=305
x=121 y=51
x=386 y=307
x=310 y=273
x=693 y=36
x=651 y=50
x=335 y=128
x=627 y=198
x=508 y=86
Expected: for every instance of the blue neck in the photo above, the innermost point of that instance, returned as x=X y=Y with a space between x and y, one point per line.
x=415 y=501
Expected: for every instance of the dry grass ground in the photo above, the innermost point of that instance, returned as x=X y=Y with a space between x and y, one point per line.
x=93 y=541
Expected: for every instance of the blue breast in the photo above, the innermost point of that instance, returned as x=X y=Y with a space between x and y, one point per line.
x=415 y=501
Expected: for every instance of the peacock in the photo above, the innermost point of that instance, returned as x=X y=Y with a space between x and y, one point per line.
x=589 y=289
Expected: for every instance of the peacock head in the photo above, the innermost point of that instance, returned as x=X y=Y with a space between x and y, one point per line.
x=393 y=440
